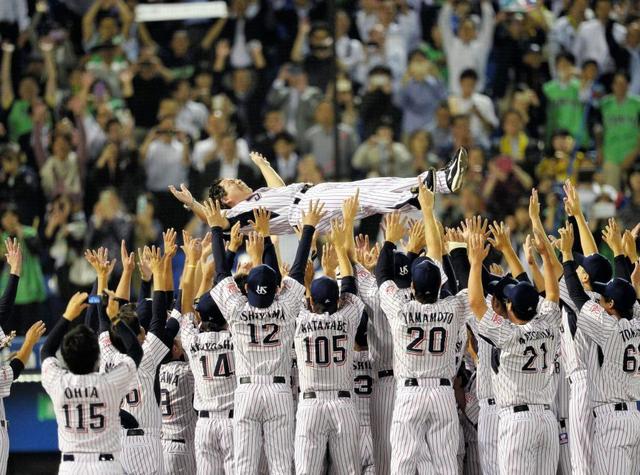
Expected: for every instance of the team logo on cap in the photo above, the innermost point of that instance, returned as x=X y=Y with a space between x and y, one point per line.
x=261 y=290
x=404 y=270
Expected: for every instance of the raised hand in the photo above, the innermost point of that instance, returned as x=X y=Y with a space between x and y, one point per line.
x=309 y=273
x=528 y=250
x=534 y=205
x=113 y=305
x=338 y=235
x=255 y=248
x=76 y=305
x=426 y=197
x=475 y=225
x=611 y=235
x=261 y=221
x=496 y=269
x=235 y=238
x=169 y=241
x=213 y=213
x=284 y=269
x=350 y=207
x=329 y=260
x=539 y=243
x=454 y=235
x=259 y=160
x=501 y=236
x=629 y=245
x=315 y=213
x=183 y=195
x=477 y=250
x=635 y=277
x=13 y=255
x=566 y=242
x=394 y=227
x=416 y=240
x=571 y=200
x=155 y=260
x=34 y=333
x=144 y=264
x=128 y=259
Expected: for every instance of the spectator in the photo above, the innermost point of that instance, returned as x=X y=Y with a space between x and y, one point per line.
x=478 y=106
x=318 y=60
x=147 y=230
x=563 y=162
x=179 y=58
x=19 y=184
x=386 y=48
x=110 y=27
x=191 y=116
x=309 y=171
x=366 y=17
x=476 y=174
x=420 y=93
x=349 y=50
x=629 y=213
x=440 y=130
x=381 y=156
x=419 y=145
x=505 y=178
x=106 y=62
x=564 y=31
x=285 y=160
x=633 y=48
x=469 y=49
x=319 y=141
x=516 y=144
x=377 y=102
x=273 y=125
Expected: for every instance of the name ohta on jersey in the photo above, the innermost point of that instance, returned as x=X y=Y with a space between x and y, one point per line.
x=314 y=325
x=86 y=392
x=537 y=335
x=629 y=333
x=247 y=315
x=168 y=378
x=212 y=346
x=419 y=317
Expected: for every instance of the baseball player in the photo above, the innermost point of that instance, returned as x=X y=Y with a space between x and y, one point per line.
x=616 y=336
x=377 y=195
x=424 y=333
x=362 y=389
x=210 y=355
x=527 y=340
x=262 y=324
x=178 y=416
x=86 y=403
x=324 y=340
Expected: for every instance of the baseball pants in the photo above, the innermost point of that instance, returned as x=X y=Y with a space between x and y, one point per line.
x=142 y=454
x=4 y=448
x=488 y=420
x=263 y=417
x=580 y=424
x=616 y=439
x=425 y=418
x=179 y=457
x=461 y=449
x=327 y=422
x=367 y=463
x=381 y=407
x=471 y=456
x=528 y=441
x=89 y=464
x=214 y=444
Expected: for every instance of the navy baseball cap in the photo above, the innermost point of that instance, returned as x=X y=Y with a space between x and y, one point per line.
x=596 y=266
x=496 y=286
x=262 y=283
x=620 y=291
x=207 y=308
x=426 y=278
x=325 y=291
x=524 y=299
x=401 y=270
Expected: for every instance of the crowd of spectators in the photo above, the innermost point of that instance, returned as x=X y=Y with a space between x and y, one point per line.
x=100 y=113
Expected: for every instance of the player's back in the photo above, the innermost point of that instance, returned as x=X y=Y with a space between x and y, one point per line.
x=362 y=384
x=176 y=401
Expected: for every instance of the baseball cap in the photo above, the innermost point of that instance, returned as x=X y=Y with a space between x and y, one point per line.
x=496 y=286
x=325 y=291
x=620 y=291
x=524 y=299
x=596 y=266
x=261 y=286
x=426 y=279
x=207 y=308
x=401 y=270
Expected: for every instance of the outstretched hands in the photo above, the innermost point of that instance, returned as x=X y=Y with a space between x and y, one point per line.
x=214 y=214
x=314 y=214
x=13 y=255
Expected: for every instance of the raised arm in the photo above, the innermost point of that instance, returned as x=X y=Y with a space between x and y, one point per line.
x=574 y=287
x=89 y=21
x=261 y=221
x=612 y=235
x=268 y=173
x=572 y=206
x=51 y=86
x=551 y=286
x=538 y=278
x=394 y=230
x=501 y=242
x=30 y=339
x=215 y=220
x=485 y=35
x=74 y=308
x=536 y=222
x=132 y=346
x=123 y=291
x=6 y=87
x=477 y=252
x=309 y=221
x=186 y=198
x=350 y=208
x=444 y=23
x=14 y=261
x=193 y=250
x=431 y=231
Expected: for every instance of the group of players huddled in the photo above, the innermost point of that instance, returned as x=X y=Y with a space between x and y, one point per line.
x=391 y=362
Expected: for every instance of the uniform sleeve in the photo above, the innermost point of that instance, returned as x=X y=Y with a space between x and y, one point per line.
x=550 y=313
x=564 y=295
x=108 y=352
x=121 y=375
x=367 y=286
x=391 y=300
x=291 y=295
x=462 y=309
x=188 y=330
x=495 y=329
x=228 y=297
x=154 y=350
x=596 y=323
x=52 y=372
x=7 y=376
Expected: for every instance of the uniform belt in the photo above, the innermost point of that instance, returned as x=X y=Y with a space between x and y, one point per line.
x=4 y=423
x=416 y=382
x=276 y=380
x=525 y=407
x=306 y=187
x=179 y=441
x=313 y=395
x=101 y=458
x=617 y=407
x=135 y=432
x=211 y=414
x=385 y=373
x=491 y=401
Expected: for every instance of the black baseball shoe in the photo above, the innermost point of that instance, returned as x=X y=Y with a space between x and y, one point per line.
x=456 y=169
x=429 y=183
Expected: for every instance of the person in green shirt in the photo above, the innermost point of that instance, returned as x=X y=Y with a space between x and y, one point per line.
x=620 y=113
x=31 y=288
x=564 y=108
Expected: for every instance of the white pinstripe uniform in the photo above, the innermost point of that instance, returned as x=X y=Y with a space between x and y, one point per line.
x=327 y=415
x=488 y=414
x=210 y=356
x=424 y=365
x=263 y=405
x=616 y=390
x=6 y=380
x=528 y=430
x=178 y=418
x=295 y=380
x=87 y=412
x=575 y=352
x=380 y=343
x=469 y=419
x=560 y=407
x=362 y=389
x=377 y=196
x=142 y=447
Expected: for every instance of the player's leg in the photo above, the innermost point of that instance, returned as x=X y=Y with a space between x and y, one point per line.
x=4 y=449
x=366 y=451
x=344 y=442
x=206 y=441
x=247 y=427
x=615 y=438
x=471 y=457
x=488 y=437
x=312 y=422
x=408 y=429
x=548 y=451
x=175 y=456
x=225 y=444
x=278 y=428
x=142 y=454
x=580 y=424
x=382 y=401
x=443 y=429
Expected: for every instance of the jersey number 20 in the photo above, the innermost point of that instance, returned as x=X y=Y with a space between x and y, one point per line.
x=437 y=340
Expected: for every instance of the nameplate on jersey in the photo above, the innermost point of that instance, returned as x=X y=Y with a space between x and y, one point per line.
x=248 y=315
x=316 y=325
x=419 y=317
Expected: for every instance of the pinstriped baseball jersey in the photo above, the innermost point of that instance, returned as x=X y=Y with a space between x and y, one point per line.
x=525 y=362
x=212 y=365
x=87 y=406
x=424 y=336
x=461 y=345
x=619 y=341
x=141 y=401
x=176 y=401
x=261 y=336
x=324 y=346
x=484 y=381
x=379 y=337
x=362 y=385
x=6 y=380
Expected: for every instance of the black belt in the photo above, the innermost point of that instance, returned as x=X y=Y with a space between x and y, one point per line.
x=4 y=424
x=312 y=394
x=206 y=414
x=385 y=373
x=414 y=382
x=620 y=406
x=101 y=458
x=491 y=401
x=306 y=187
x=179 y=441
x=525 y=408
x=276 y=380
x=135 y=432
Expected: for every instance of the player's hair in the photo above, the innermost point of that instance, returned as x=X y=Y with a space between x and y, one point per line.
x=208 y=326
x=321 y=308
x=80 y=350
x=241 y=282
x=128 y=315
x=217 y=192
x=425 y=298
